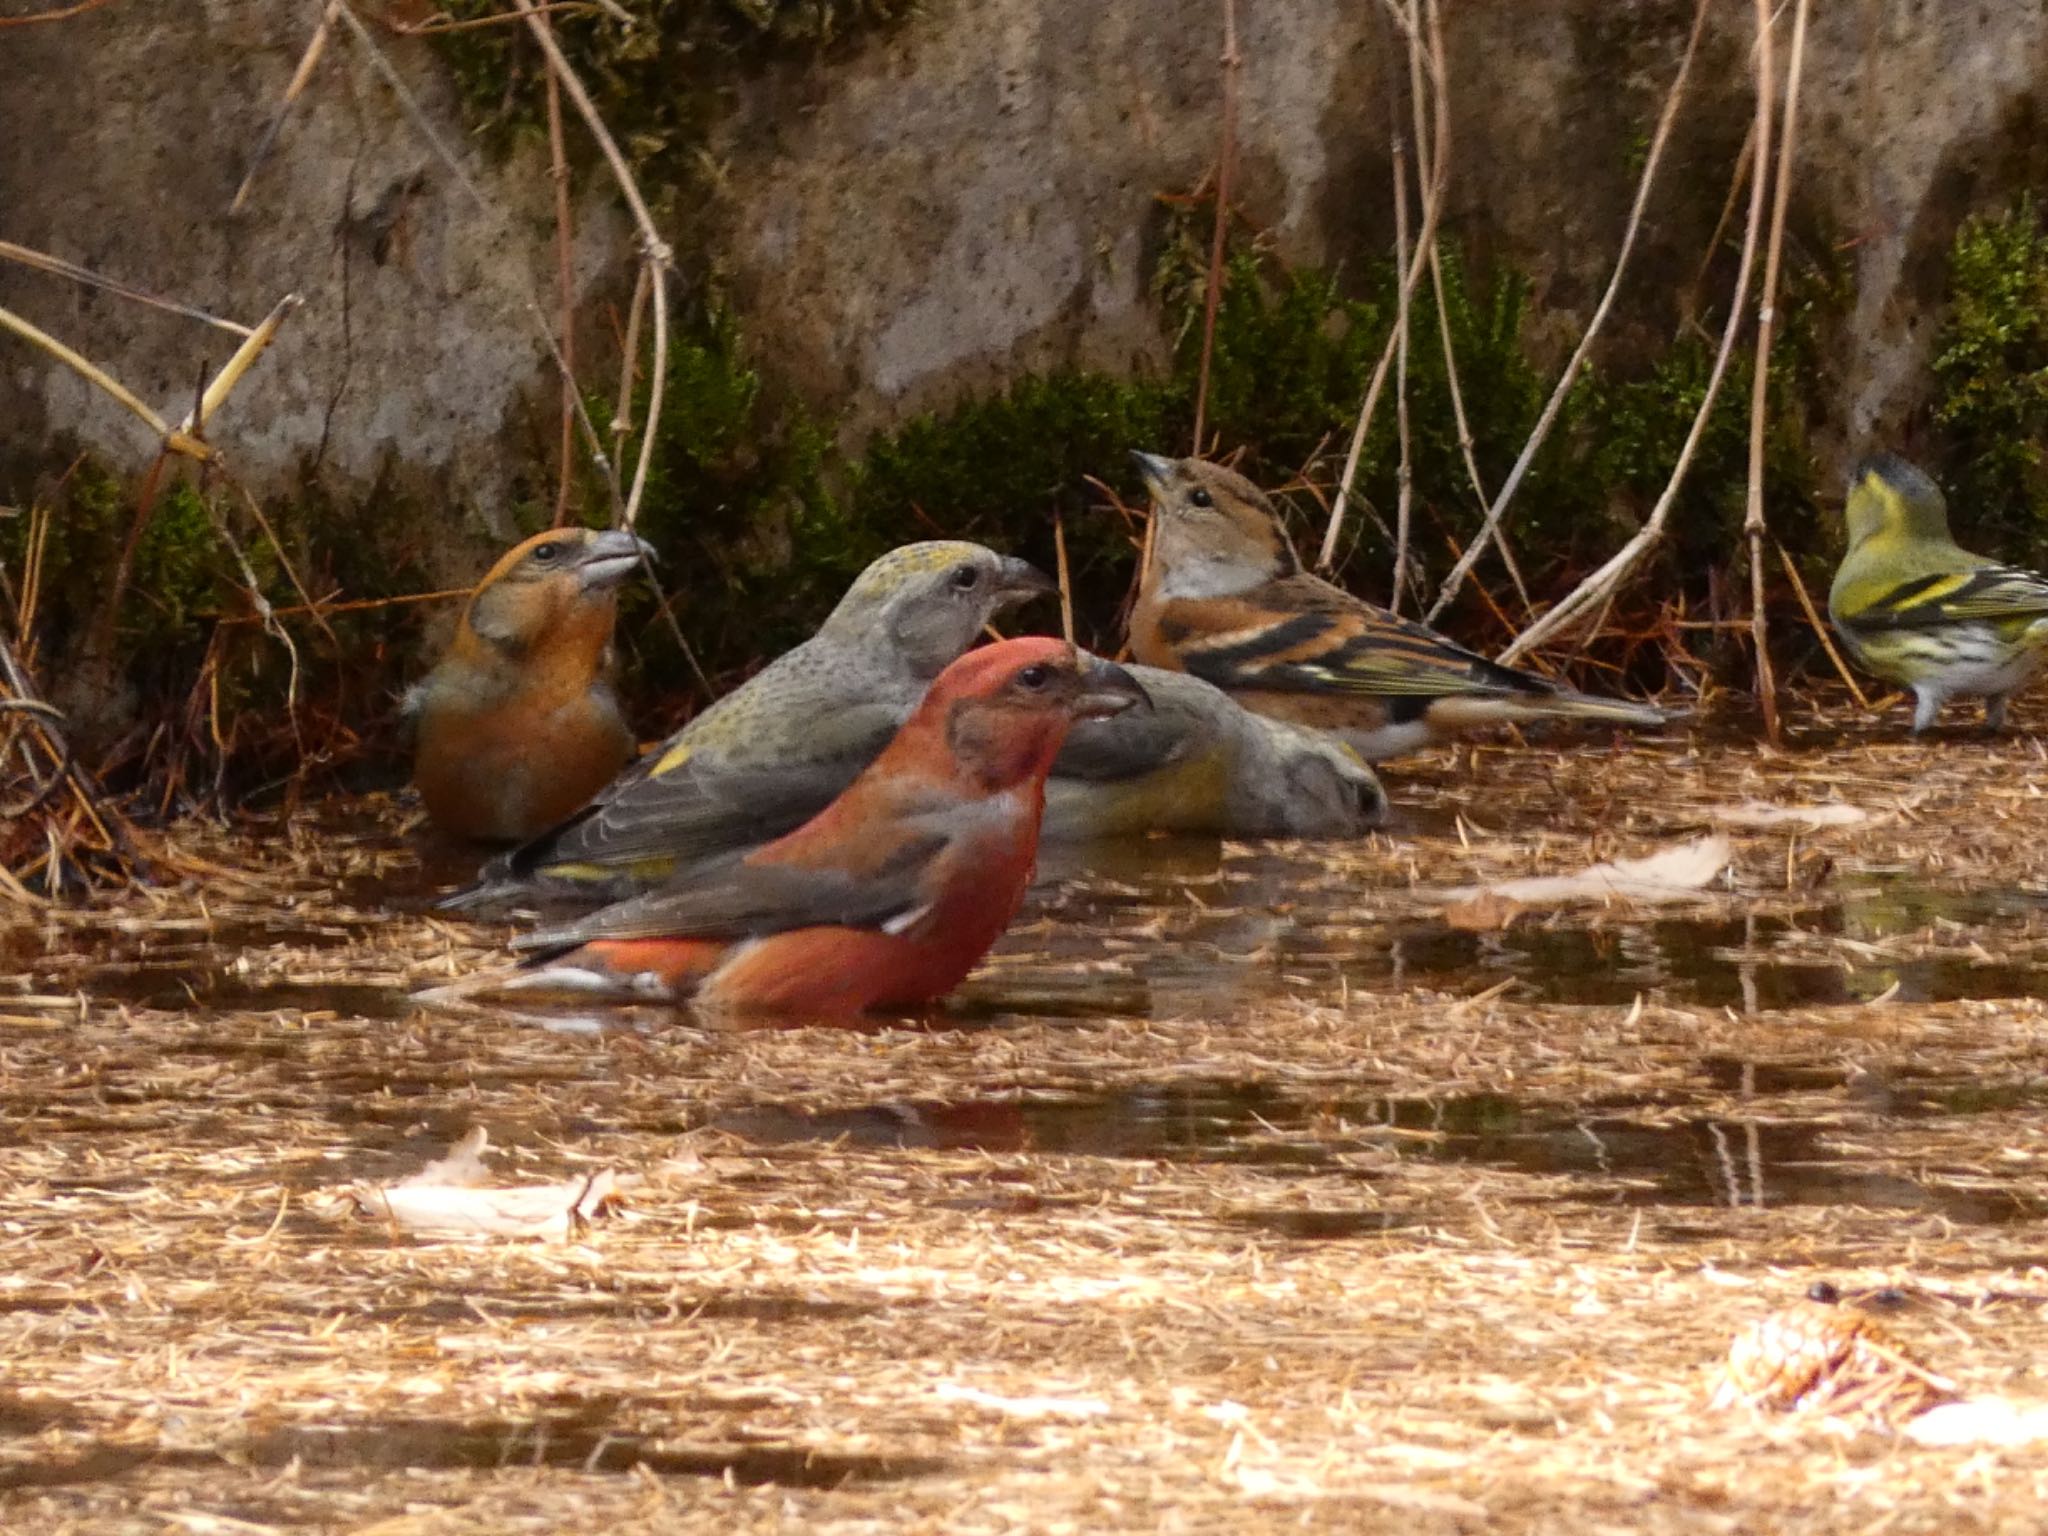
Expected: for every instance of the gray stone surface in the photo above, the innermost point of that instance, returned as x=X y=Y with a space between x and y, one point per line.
x=972 y=196
x=123 y=135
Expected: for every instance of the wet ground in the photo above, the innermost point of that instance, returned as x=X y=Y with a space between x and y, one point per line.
x=1240 y=1188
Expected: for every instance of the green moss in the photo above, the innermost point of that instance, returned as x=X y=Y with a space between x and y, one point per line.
x=658 y=81
x=1991 y=376
x=737 y=503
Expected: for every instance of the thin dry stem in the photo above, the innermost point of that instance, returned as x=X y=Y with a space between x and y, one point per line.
x=629 y=356
x=656 y=381
x=622 y=173
x=1404 y=504
x=434 y=26
x=301 y=76
x=1820 y=629
x=58 y=266
x=1766 y=327
x=1226 y=155
x=1432 y=207
x=99 y=378
x=1430 y=149
x=565 y=282
x=223 y=383
x=1594 y=591
x=63 y=13
x=656 y=253
x=1059 y=549
x=423 y=124
x=1555 y=405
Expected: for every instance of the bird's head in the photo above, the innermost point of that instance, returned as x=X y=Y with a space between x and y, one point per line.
x=925 y=603
x=1890 y=498
x=1214 y=533
x=1331 y=790
x=1005 y=708
x=556 y=578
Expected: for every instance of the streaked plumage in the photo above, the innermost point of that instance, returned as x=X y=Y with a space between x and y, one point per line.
x=772 y=754
x=1198 y=762
x=1225 y=598
x=517 y=724
x=889 y=896
x=1917 y=609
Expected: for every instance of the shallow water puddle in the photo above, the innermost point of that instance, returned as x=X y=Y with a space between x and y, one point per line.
x=1775 y=1150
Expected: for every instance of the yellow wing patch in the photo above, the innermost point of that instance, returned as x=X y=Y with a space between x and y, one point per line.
x=673 y=759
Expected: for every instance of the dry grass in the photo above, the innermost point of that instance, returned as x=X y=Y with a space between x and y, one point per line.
x=1205 y=1212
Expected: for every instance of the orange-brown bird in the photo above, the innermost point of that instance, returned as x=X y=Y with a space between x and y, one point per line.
x=766 y=758
x=517 y=723
x=890 y=895
x=1225 y=598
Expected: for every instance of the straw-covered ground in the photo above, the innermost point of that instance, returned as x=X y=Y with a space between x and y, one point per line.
x=1244 y=1189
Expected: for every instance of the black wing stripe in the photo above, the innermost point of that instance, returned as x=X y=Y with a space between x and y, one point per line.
x=1222 y=661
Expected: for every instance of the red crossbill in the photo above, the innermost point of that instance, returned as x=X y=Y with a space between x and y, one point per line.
x=768 y=757
x=1226 y=599
x=887 y=897
x=517 y=723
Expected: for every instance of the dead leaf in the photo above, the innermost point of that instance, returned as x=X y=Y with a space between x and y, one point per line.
x=1981 y=1421
x=1755 y=813
x=1677 y=873
x=445 y=1199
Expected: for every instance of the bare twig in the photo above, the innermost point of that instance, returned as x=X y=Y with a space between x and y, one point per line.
x=222 y=384
x=1405 y=496
x=308 y=62
x=284 y=560
x=657 y=380
x=655 y=252
x=565 y=283
x=99 y=378
x=63 y=13
x=622 y=173
x=1432 y=146
x=71 y=269
x=1226 y=155
x=1596 y=588
x=1059 y=549
x=543 y=326
x=1432 y=207
x=1558 y=395
x=436 y=25
x=629 y=355
x=1766 y=326
x=321 y=608
x=1820 y=629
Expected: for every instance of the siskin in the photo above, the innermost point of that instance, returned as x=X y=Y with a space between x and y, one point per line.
x=1917 y=609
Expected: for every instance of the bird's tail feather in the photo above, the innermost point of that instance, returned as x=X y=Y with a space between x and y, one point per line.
x=1459 y=712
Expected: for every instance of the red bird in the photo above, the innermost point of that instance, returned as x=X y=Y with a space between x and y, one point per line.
x=518 y=725
x=889 y=896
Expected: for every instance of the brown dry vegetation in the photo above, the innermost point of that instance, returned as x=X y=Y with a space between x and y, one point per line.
x=1237 y=1192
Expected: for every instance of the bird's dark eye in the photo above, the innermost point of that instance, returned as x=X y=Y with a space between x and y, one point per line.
x=966 y=578
x=1201 y=498
x=547 y=553
x=1034 y=676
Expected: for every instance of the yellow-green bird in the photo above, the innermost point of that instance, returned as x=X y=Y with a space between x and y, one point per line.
x=1919 y=610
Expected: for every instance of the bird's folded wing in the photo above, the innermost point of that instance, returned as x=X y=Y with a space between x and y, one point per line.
x=678 y=805
x=1303 y=635
x=1991 y=592
x=735 y=898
